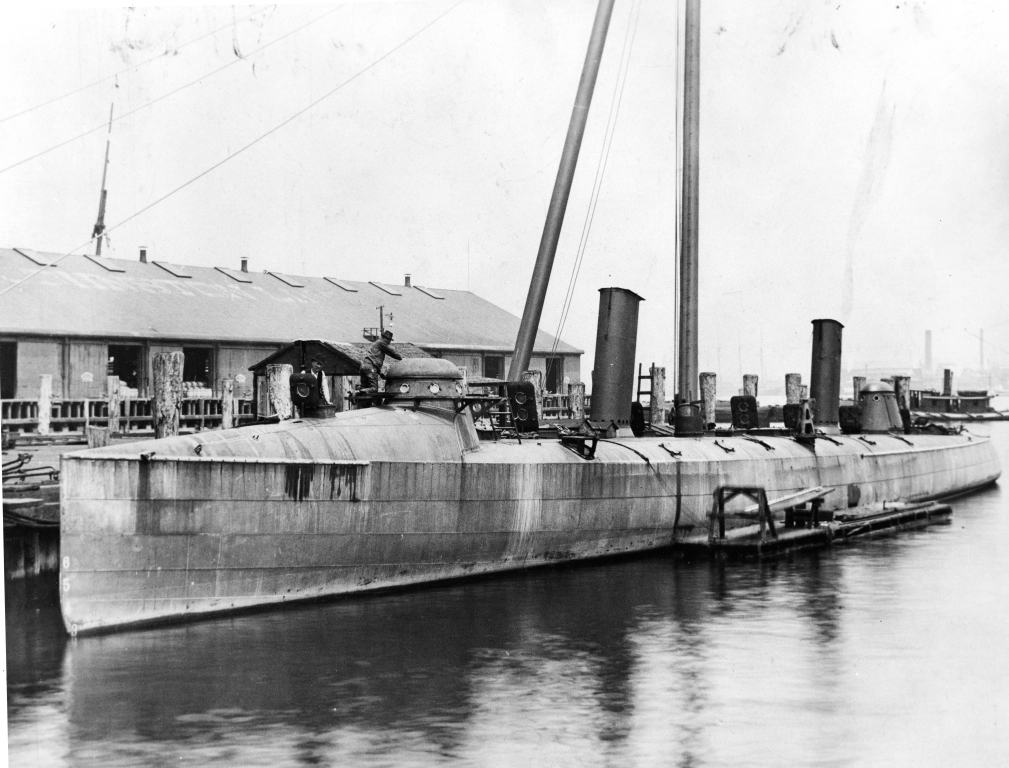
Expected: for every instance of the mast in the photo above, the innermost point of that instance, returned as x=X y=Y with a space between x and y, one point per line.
x=559 y=199
x=99 y=230
x=687 y=368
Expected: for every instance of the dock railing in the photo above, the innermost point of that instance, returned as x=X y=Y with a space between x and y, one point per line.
x=74 y=416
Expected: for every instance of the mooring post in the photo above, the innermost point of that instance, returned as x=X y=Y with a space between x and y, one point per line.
x=709 y=382
x=536 y=377
x=750 y=384
x=793 y=388
x=45 y=403
x=338 y=399
x=902 y=388
x=857 y=382
x=278 y=387
x=112 y=397
x=166 y=370
x=576 y=400
x=658 y=395
x=227 y=403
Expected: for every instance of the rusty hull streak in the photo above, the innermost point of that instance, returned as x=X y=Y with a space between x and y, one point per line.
x=382 y=498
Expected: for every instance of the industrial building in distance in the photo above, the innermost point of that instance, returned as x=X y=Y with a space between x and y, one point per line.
x=83 y=315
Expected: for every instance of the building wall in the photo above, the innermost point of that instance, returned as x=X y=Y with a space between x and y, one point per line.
x=87 y=357
x=235 y=361
x=35 y=358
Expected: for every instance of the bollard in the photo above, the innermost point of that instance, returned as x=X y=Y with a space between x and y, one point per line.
x=657 y=403
x=166 y=378
x=793 y=388
x=536 y=377
x=227 y=404
x=576 y=400
x=45 y=403
x=750 y=384
x=708 y=386
x=278 y=388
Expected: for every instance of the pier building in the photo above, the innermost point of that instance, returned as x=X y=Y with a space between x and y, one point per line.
x=86 y=316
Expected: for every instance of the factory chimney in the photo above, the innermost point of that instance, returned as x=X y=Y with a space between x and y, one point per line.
x=616 y=341
x=928 y=351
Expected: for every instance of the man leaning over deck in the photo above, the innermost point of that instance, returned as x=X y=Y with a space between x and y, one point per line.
x=375 y=359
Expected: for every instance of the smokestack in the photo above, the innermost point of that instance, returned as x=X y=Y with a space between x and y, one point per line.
x=245 y=264
x=616 y=341
x=406 y=281
x=143 y=254
x=947 y=383
x=928 y=350
x=825 y=373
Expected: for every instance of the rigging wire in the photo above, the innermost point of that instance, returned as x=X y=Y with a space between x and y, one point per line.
x=239 y=151
x=132 y=68
x=604 y=155
x=170 y=93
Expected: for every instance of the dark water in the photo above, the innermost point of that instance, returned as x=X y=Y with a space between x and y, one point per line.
x=891 y=651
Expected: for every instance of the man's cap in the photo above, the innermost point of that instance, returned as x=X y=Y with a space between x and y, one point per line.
x=386 y=334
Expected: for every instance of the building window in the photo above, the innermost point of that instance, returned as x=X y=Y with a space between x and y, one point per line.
x=8 y=369
x=493 y=366
x=125 y=362
x=555 y=374
x=197 y=365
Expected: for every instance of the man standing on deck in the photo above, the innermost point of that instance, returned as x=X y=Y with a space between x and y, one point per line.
x=375 y=359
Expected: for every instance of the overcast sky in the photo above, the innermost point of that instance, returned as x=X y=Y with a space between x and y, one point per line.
x=854 y=158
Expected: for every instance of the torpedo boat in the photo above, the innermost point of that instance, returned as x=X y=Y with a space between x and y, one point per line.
x=405 y=491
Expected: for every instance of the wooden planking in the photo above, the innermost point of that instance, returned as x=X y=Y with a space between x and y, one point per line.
x=87 y=357
x=35 y=358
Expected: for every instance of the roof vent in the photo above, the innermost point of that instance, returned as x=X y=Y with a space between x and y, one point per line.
x=143 y=254
x=245 y=264
x=406 y=280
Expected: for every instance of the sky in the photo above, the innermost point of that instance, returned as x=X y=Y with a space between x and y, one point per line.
x=854 y=158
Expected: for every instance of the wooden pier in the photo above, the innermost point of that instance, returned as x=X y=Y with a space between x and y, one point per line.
x=802 y=527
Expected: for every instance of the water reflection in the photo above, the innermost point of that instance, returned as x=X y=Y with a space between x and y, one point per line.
x=638 y=662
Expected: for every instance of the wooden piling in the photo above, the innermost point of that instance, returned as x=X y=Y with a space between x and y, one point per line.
x=112 y=397
x=45 y=402
x=750 y=384
x=278 y=387
x=536 y=377
x=166 y=403
x=902 y=388
x=658 y=395
x=793 y=388
x=227 y=403
x=804 y=393
x=709 y=383
x=857 y=382
x=576 y=400
x=339 y=389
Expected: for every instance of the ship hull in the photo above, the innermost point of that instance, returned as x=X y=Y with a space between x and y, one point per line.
x=149 y=538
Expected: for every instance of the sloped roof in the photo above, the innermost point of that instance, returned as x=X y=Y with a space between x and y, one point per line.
x=102 y=297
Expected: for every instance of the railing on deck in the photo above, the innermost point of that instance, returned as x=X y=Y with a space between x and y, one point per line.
x=72 y=416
